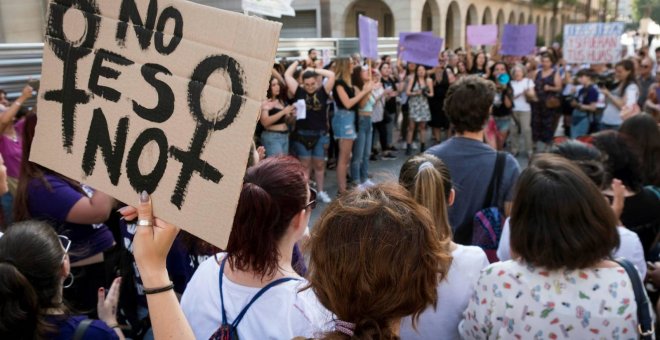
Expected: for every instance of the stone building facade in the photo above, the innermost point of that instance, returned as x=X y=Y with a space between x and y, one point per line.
x=23 y=21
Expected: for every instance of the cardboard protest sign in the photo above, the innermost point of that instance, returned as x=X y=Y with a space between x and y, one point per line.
x=154 y=95
x=595 y=43
x=481 y=35
x=368 y=32
x=518 y=40
x=421 y=49
x=271 y=8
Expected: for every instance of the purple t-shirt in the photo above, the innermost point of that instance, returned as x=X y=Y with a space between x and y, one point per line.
x=66 y=328
x=53 y=205
x=12 y=150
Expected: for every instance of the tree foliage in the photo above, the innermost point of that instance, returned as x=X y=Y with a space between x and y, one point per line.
x=640 y=8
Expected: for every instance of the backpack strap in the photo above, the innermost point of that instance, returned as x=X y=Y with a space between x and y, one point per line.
x=81 y=329
x=644 y=319
x=261 y=292
x=495 y=180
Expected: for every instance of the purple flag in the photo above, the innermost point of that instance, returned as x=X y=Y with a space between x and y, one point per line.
x=421 y=48
x=518 y=40
x=482 y=35
x=368 y=32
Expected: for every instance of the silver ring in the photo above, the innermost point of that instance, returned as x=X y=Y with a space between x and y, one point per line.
x=144 y=223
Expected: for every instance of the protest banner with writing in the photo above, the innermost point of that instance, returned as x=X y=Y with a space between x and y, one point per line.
x=421 y=48
x=595 y=43
x=368 y=32
x=481 y=35
x=159 y=96
x=271 y=8
x=518 y=40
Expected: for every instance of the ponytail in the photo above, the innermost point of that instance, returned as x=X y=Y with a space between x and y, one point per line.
x=428 y=181
x=19 y=302
x=366 y=329
x=429 y=191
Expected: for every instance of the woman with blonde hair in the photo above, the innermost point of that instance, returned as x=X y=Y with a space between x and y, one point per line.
x=347 y=97
x=428 y=180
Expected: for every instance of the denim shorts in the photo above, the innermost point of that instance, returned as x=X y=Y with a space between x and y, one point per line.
x=318 y=150
x=503 y=123
x=343 y=124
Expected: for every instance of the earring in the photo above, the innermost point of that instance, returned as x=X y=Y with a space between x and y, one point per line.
x=70 y=283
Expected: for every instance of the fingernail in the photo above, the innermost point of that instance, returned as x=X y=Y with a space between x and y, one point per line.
x=100 y=289
x=144 y=197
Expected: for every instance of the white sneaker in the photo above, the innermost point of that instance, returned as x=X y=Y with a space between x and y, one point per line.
x=368 y=183
x=415 y=146
x=323 y=196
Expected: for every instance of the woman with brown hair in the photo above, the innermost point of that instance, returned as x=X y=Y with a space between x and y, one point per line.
x=75 y=211
x=375 y=259
x=427 y=179
x=545 y=111
x=272 y=214
x=561 y=280
x=275 y=115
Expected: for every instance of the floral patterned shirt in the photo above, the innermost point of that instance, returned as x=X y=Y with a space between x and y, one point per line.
x=513 y=300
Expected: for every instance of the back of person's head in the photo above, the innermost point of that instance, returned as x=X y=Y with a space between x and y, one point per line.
x=31 y=258
x=428 y=180
x=642 y=130
x=375 y=258
x=274 y=192
x=468 y=103
x=559 y=212
x=587 y=157
x=344 y=69
x=621 y=160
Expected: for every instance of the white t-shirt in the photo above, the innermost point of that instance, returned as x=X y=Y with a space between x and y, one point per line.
x=612 y=114
x=453 y=296
x=519 y=101
x=280 y=313
x=630 y=247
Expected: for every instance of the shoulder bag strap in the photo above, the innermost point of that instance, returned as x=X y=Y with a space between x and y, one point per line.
x=495 y=179
x=644 y=319
x=257 y=296
x=81 y=329
x=263 y=290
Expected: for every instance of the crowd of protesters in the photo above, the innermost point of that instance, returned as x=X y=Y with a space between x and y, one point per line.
x=466 y=244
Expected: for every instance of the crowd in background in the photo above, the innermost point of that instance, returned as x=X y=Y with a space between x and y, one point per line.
x=466 y=245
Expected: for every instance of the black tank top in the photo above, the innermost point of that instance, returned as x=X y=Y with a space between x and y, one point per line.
x=273 y=112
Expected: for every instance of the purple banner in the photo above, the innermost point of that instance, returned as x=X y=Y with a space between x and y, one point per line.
x=421 y=48
x=481 y=35
x=403 y=35
x=518 y=40
x=368 y=32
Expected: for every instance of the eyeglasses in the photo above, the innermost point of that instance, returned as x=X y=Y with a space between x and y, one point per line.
x=66 y=244
x=312 y=200
x=645 y=66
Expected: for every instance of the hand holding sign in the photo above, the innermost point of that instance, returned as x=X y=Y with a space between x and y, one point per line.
x=150 y=102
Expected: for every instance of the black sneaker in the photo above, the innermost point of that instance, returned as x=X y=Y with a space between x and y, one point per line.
x=409 y=150
x=389 y=157
x=373 y=157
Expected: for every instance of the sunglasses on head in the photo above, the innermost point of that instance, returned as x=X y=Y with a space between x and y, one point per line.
x=312 y=199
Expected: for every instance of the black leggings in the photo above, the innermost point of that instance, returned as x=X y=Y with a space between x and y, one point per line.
x=381 y=128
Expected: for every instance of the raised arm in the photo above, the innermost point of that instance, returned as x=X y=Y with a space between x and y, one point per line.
x=291 y=82
x=7 y=117
x=329 y=75
x=351 y=102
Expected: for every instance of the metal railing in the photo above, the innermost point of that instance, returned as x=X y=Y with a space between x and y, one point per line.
x=22 y=62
